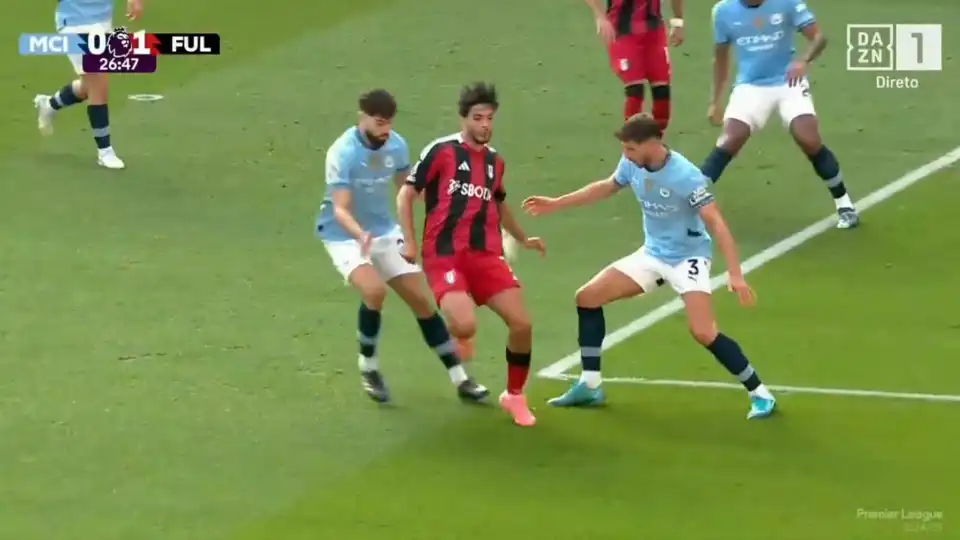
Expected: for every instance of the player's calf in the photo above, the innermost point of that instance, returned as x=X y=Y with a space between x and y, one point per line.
x=734 y=137
x=727 y=352
x=660 y=92
x=98 y=113
x=634 y=95
x=372 y=295
x=806 y=133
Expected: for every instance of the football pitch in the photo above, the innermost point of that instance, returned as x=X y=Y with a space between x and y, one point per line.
x=177 y=357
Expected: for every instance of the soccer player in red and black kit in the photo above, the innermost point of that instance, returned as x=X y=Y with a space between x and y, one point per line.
x=639 y=50
x=461 y=180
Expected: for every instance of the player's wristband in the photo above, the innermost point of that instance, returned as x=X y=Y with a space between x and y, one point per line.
x=676 y=22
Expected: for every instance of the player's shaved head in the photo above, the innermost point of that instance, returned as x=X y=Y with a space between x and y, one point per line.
x=638 y=129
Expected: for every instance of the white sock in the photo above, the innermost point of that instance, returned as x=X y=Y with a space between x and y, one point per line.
x=761 y=392
x=843 y=202
x=369 y=364
x=457 y=374
x=591 y=378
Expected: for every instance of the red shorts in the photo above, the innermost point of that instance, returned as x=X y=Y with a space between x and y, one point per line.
x=641 y=58
x=481 y=275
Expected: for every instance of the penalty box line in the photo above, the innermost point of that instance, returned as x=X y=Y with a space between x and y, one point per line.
x=850 y=392
x=557 y=369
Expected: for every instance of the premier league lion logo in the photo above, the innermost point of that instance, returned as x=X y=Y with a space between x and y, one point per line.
x=120 y=43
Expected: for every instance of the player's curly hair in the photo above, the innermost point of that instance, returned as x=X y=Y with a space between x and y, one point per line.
x=379 y=103
x=478 y=93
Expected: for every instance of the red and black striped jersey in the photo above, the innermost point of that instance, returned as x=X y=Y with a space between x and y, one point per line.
x=462 y=188
x=634 y=16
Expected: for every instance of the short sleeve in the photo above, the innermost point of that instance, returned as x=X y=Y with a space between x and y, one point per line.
x=402 y=154
x=720 y=36
x=338 y=168
x=624 y=172
x=695 y=188
x=801 y=16
x=422 y=172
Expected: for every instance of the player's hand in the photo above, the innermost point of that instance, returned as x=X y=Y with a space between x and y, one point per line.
x=537 y=244
x=605 y=30
x=677 y=36
x=366 y=243
x=134 y=9
x=797 y=73
x=715 y=114
x=744 y=293
x=408 y=250
x=539 y=206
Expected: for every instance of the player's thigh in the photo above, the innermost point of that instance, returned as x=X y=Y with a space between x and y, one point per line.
x=510 y=306
x=357 y=270
x=610 y=285
x=407 y=280
x=795 y=102
x=643 y=274
x=450 y=288
x=751 y=105
x=489 y=275
x=75 y=59
x=656 y=58
x=386 y=257
x=626 y=55
x=691 y=280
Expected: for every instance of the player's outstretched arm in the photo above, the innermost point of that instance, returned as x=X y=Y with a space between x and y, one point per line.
x=590 y=194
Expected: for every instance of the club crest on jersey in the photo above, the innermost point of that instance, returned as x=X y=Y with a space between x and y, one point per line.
x=776 y=19
x=490 y=172
x=664 y=192
x=450 y=277
x=388 y=162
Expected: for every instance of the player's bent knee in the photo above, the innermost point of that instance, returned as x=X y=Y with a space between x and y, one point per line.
x=589 y=296
x=462 y=326
x=458 y=311
x=704 y=334
x=521 y=327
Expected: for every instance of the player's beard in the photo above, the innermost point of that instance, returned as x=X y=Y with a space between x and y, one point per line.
x=376 y=141
x=479 y=137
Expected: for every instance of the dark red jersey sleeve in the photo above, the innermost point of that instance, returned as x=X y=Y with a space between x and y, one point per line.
x=426 y=169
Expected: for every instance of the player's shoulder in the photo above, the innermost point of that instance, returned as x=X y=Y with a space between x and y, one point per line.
x=721 y=8
x=345 y=146
x=682 y=169
x=440 y=143
x=396 y=141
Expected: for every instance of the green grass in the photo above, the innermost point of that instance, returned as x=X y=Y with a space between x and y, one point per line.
x=172 y=337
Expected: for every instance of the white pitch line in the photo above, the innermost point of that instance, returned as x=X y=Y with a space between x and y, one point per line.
x=916 y=396
x=773 y=252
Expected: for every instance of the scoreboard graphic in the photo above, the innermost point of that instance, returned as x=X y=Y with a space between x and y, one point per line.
x=120 y=51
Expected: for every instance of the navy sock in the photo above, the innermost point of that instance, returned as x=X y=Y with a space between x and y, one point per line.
x=437 y=336
x=99 y=117
x=65 y=97
x=592 y=329
x=715 y=163
x=730 y=355
x=368 y=330
x=828 y=169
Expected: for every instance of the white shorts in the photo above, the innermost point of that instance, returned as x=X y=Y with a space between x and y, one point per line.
x=691 y=275
x=76 y=59
x=384 y=256
x=753 y=105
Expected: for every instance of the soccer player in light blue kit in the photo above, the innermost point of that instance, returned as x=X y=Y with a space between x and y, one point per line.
x=770 y=78
x=365 y=243
x=679 y=217
x=84 y=17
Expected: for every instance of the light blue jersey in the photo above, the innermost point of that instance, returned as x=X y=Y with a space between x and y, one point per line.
x=83 y=12
x=368 y=174
x=761 y=37
x=671 y=198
